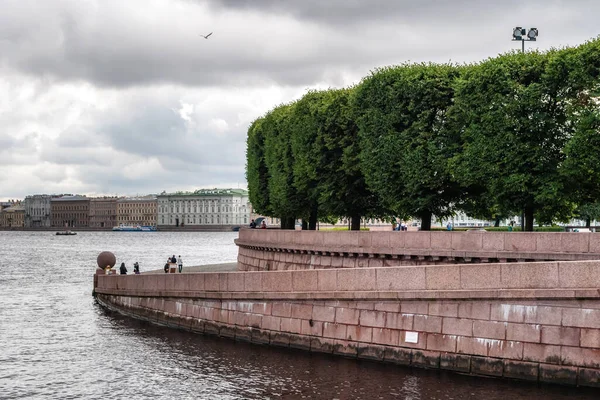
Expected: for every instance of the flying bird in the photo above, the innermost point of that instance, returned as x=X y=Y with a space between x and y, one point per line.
x=206 y=37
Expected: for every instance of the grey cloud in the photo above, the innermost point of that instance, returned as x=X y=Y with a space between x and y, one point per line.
x=257 y=43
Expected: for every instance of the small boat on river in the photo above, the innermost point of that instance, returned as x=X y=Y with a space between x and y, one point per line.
x=132 y=228
x=66 y=233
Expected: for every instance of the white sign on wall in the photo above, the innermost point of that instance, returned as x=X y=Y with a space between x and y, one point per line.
x=411 y=337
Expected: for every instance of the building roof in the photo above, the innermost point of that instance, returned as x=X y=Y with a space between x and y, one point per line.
x=209 y=192
x=71 y=198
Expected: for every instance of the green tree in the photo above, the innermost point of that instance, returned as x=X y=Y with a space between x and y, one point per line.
x=405 y=140
x=257 y=174
x=514 y=128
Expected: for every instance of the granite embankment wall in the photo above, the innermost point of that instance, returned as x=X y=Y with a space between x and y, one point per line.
x=267 y=250
x=535 y=321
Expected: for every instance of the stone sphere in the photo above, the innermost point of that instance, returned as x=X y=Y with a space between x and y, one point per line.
x=106 y=258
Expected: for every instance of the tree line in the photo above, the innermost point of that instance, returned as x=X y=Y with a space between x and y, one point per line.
x=517 y=133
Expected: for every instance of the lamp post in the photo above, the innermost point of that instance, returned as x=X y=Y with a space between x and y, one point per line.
x=523 y=35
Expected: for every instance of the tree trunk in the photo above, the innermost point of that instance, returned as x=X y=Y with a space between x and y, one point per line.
x=426 y=220
x=304 y=224
x=529 y=219
x=588 y=222
x=355 y=223
x=497 y=222
x=312 y=219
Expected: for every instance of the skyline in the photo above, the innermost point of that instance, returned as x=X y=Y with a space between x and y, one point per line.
x=98 y=98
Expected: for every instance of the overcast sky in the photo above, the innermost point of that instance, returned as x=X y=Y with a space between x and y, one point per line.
x=105 y=97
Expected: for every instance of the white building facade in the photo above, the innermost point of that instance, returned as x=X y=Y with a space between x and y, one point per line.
x=37 y=211
x=204 y=207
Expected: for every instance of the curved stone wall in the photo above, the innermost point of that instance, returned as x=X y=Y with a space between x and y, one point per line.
x=268 y=250
x=536 y=321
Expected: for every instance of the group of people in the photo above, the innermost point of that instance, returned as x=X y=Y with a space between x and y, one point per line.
x=263 y=224
x=123 y=268
x=401 y=226
x=172 y=262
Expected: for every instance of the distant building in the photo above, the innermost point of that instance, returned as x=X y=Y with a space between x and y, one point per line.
x=13 y=216
x=70 y=211
x=103 y=212
x=208 y=207
x=136 y=211
x=37 y=211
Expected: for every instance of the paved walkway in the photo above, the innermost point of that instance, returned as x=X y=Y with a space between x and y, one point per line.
x=225 y=267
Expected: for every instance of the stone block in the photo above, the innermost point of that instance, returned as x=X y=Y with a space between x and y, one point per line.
x=579 y=243
x=520 y=242
x=473 y=346
x=312 y=328
x=543 y=315
x=345 y=348
x=302 y=311
x=414 y=307
x=480 y=276
x=558 y=374
x=426 y=359
x=523 y=332
x=392 y=307
x=253 y=281
x=280 y=339
x=326 y=280
x=271 y=323
x=589 y=377
x=356 y=279
x=468 y=241
x=262 y=308
x=399 y=321
x=445 y=277
x=277 y=281
x=348 y=316
x=300 y=342
x=359 y=333
x=401 y=278
x=385 y=336
x=438 y=342
x=261 y=336
x=474 y=310
x=304 y=281
x=426 y=323
x=493 y=241
x=548 y=242
x=211 y=282
x=530 y=275
x=417 y=240
x=397 y=355
x=334 y=331
x=397 y=242
x=441 y=240
x=541 y=353
x=580 y=357
x=455 y=362
x=590 y=338
x=579 y=274
x=371 y=352
x=323 y=313
x=560 y=335
x=486 y=366
x=581 y=317
x=370 y=318
x=235 y=281
x=521 y=370
x=322 y=345
x=457 y=326
x=489 y=329
x=443 y=309
x=291 y=325
x=505 y=349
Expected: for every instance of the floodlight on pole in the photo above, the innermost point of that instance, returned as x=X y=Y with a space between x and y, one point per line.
x=523 y=35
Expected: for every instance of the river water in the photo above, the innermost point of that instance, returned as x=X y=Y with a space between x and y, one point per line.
x=56 y=342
